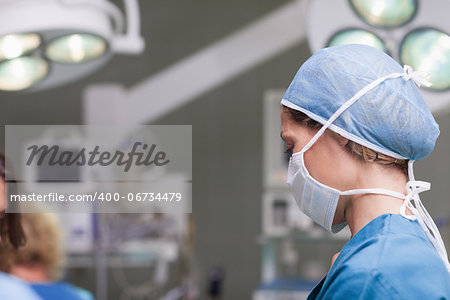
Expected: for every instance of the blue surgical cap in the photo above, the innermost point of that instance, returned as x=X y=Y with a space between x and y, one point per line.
x=392 y=118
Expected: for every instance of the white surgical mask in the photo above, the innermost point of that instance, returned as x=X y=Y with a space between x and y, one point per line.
x=319 y=201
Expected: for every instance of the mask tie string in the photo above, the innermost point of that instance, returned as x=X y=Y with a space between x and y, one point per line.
x=413 y=202
x=415 y=187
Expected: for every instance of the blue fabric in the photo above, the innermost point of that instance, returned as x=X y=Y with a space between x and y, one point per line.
x=12 y=288
x=287 y=284
x=393 y=116
x=61 y=290
x=389 y=258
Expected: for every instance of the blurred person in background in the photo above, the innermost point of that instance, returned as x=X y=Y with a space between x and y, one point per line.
x=13 y=237
x=40 y=261
x=10 y=228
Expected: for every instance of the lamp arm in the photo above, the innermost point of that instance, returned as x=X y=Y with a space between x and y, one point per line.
x=131 y=41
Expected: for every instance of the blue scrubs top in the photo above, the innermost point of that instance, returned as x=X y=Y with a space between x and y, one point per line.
x=389 y=258
x=60 y=291
x=12 y=288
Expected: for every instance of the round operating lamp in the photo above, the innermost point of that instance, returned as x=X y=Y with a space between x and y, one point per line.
x=22 y=72
x=357 y=36
x=413 y=32
x=385 y=13
x=47 y=43
x=76 y=48
x=15 y=45
x=428 y=50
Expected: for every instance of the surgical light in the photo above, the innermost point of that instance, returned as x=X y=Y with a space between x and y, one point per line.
x=385 y=13
x=22 y=72
x=76 y=48
x=15 y=45
x=413 y=32
x=47 y=43
x=357 y=36
x=428 y=50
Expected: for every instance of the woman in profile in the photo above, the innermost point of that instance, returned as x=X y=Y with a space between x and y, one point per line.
x=355 y=122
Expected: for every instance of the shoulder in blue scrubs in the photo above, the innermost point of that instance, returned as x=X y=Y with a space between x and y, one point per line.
x=12 y=288
x=61 y=290
x=389 y=258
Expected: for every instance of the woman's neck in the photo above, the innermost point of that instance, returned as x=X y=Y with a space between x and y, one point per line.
x=363 y=208
x=367 y=207
x=30 y=273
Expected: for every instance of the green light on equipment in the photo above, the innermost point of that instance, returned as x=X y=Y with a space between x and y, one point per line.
x=357 y=36
x=76 y=48
x=15 y=45
x=385 y=13
x=21 y=73
x=428 y=50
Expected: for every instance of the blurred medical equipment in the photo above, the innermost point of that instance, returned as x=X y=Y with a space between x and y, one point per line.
x=157 y=246
x=413 y=32
x=78 y=233
x=48 y=43
x=156 y=240
x=216 y=279
x=280 y=214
